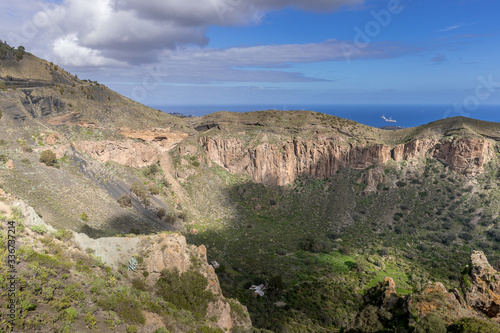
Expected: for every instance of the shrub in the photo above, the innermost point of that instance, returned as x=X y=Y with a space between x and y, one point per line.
x=472 y=325
x=139 y=284
x=151 y=170
x=84 y=217
x=48 y=157
x=90 y=320
x=161 y=330
x=127 y=306
x=63 y=235
x=186 y=291
x=161 y=213
x=170 y=218
x=4 y=158
x=140 y=192
x=131 y=329
x=39 y=229
x=71 y=314
x=431 y=323
x=125 y=200
x=27 y=305
x=154 y=190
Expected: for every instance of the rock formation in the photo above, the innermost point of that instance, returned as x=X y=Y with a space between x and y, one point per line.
x=480 y=299
x=280 y=161
x=131 y=153
x=167 y=251
x=482 y=292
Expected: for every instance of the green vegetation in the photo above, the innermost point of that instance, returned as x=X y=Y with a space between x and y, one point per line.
x=48 y=157
x=141 y=193
x=186 y=291
x=125 y=200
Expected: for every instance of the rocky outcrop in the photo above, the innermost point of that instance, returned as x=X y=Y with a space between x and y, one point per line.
x=480 y=300
x=434 y=298
x=167 y=251
x=130 y=153
x=465 y=155
x=280 y=161
x=172 y=252
x=482 y=292
x=165 y=138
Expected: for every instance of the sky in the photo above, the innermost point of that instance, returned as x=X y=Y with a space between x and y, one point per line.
x=280 y=52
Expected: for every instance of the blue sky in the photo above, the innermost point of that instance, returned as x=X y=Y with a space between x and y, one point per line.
x=275 y=52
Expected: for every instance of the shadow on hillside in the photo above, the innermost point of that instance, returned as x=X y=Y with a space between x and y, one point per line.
x=127 y=223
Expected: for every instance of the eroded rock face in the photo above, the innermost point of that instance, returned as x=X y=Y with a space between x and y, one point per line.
x=483 y=293
x=172 y=252
x=279 y=161
x=131 y=153
x=465 y=155
x=435 y=298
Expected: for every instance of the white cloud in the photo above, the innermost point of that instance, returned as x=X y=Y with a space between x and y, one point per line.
x=451 y=27
x=68 y=51
x=137 y=31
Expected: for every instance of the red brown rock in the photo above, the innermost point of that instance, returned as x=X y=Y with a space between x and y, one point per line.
x=483 y=293
x=281 y=160
x=131 y=153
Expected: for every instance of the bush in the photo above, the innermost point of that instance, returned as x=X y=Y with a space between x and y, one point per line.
x=472 y=325
x=39 y=229
x=90 y=320
x=131 y=329
x=313 y=245
x=170 y=218
x=431 y=323
x=161 y=213
x=4 y=158
x=186 y=291
x=71 y=314
x=84 y=217
x=151 y=170
x=63 y=235
x=48 y=157
x=154 y=190
x=140 y=192
x=125 y=200
x=139 y=284
x=161 y=330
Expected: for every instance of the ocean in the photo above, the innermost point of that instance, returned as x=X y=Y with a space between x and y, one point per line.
x=371 y=115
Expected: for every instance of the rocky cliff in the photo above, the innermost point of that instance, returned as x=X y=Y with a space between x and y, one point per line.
x=480 y=299
x=279 y=161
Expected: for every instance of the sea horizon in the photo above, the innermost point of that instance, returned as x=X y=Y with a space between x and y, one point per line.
x=377 y=115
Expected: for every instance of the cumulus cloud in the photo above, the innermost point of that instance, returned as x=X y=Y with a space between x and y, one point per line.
x=137 y=31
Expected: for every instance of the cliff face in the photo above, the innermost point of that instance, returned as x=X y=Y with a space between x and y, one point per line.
x=483 y=291
x=281 y=163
